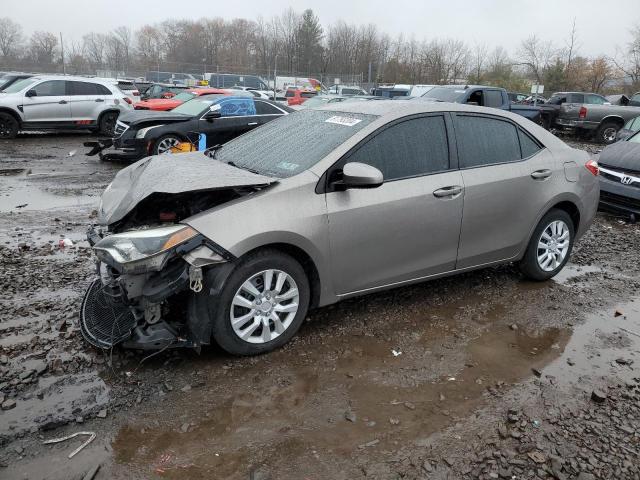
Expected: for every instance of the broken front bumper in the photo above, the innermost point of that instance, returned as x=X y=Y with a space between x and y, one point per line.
x=154 y=309
x=132 y=153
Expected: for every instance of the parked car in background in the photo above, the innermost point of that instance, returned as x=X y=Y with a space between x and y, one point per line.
x=483 y=96
x=320 y=100
x=266 y=94
x=284 y=83
x=590 y=114
x=391 y=91
x=130 y=89
x=631 y=127
x=538 y=99
x=297 y=96
x=419 y=90
x=55 y=102
x=162 y=90
x=143 y=86
x=517 y=97
x=376 y=196
x=174 y=78
x=343 y=90
x=228 y=80
x=620 y=177
x=9 y=78
x=166 y=104
x=220 y=117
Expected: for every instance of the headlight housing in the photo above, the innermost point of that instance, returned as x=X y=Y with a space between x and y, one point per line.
x=141 y=251
x=143 y=131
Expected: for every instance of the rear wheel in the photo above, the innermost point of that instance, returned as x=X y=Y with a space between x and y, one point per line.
x=164 y=144
x=262 y=304
x=107 y=124
x=550 y=246
x=607 y=133
x=8 y=126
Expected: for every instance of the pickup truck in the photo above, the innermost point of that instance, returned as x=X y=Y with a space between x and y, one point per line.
x=589 y=114
x=492 y=97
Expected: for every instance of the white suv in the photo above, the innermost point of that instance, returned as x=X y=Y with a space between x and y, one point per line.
x=58 y=102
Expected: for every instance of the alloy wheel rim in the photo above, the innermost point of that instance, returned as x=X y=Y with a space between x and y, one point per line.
x=110 y=123
x=553 y=245
x=610 y=134
x=165 y=145
x=264 y=306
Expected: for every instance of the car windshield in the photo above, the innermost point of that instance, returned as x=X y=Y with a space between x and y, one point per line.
x=19 y=85
x=445 y=94
x=635 y=138
x=293 y=143
x=197 y=105
x=184 y=96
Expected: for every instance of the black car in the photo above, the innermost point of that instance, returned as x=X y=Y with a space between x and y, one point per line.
x=619 y=166
x=207 y=120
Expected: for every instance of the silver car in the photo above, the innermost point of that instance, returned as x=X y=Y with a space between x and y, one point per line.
x=54 y=102
x=326 y=204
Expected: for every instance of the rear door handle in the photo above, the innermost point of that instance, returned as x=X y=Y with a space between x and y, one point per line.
x=541 y=174
x=99 y=100
x=451 y=191
x=63 y=102
x=251 y=124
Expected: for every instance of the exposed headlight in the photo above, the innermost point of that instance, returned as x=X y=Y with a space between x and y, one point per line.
x=142 y=250
x=143 y=131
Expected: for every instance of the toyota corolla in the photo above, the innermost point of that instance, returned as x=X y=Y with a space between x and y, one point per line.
x=324 y=204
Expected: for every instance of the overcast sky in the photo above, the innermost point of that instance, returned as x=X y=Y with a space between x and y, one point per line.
x=602 y=25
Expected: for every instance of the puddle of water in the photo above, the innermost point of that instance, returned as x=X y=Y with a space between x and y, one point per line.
x=55 y=398
x=571 y=272
x=18 y=195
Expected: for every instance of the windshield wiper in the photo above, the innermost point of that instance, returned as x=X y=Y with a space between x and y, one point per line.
x=211 y=151
x=230 y=162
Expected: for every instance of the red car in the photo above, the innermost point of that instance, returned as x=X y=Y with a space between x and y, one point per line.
x=297 y=96
x=164 y=104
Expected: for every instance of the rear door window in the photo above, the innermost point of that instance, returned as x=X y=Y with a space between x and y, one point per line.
x=493 y=98
x=83 y=88
x=264 y=108
x=52 y=88
x=528 y=146
x=576 y=98
x=407 y=149
x=485 y=141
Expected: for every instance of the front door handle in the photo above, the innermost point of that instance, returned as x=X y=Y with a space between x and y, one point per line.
x=63 y=102
x=251 y=124
x=99 y=100
x=451 y=191
x=541 y=174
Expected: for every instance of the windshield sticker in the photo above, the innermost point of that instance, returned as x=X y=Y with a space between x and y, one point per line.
x=288 y=166
x=347 y=121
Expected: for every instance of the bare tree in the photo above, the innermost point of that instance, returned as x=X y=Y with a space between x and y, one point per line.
x=10 y=37
x=43 y=47
x=94 y=46
x=478 y=60
x=538 y=55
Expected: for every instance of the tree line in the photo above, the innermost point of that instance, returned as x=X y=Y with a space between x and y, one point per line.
x=297 y=43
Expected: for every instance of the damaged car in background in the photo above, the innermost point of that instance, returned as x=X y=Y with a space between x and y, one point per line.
x=236 y=245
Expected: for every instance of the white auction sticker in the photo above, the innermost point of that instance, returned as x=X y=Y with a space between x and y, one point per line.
x=348 y=121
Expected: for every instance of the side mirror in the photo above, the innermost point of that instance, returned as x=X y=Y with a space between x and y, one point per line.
x=361 y=175
x=31 y=93
x=215 y=111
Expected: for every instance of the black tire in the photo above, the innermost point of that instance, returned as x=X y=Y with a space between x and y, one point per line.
x=529 y=265
x=159 y=143
x=220 y=311
x=9 y=126
x=107 y=123
x=607 y=133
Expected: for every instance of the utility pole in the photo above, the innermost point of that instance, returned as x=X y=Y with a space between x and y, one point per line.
x=275 y=77
x=64 y=70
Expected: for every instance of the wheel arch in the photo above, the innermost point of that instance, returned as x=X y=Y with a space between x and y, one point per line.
x=305 y=260
x=612 y=119
x=13 y=113
x=104 y=112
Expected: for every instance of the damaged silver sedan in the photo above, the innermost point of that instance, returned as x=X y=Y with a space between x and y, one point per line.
x=235 y=246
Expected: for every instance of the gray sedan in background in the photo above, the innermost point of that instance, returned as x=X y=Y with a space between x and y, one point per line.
x=326 y=204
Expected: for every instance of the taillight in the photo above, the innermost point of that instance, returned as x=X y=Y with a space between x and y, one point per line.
x=592 y=166
x=128 y=100
x=583 y=113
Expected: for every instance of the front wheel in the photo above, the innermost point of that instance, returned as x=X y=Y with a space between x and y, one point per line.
x=107 y=124
x=8 y=126
x=165 y=144
x=550 y=246
x=262 y=304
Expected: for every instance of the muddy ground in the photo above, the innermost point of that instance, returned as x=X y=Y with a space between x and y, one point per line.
x=484 y=375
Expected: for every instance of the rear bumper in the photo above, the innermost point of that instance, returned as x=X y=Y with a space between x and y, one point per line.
x=576 y=124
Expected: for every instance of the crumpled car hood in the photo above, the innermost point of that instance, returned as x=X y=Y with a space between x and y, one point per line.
x=623 y=155
x=172 y=174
